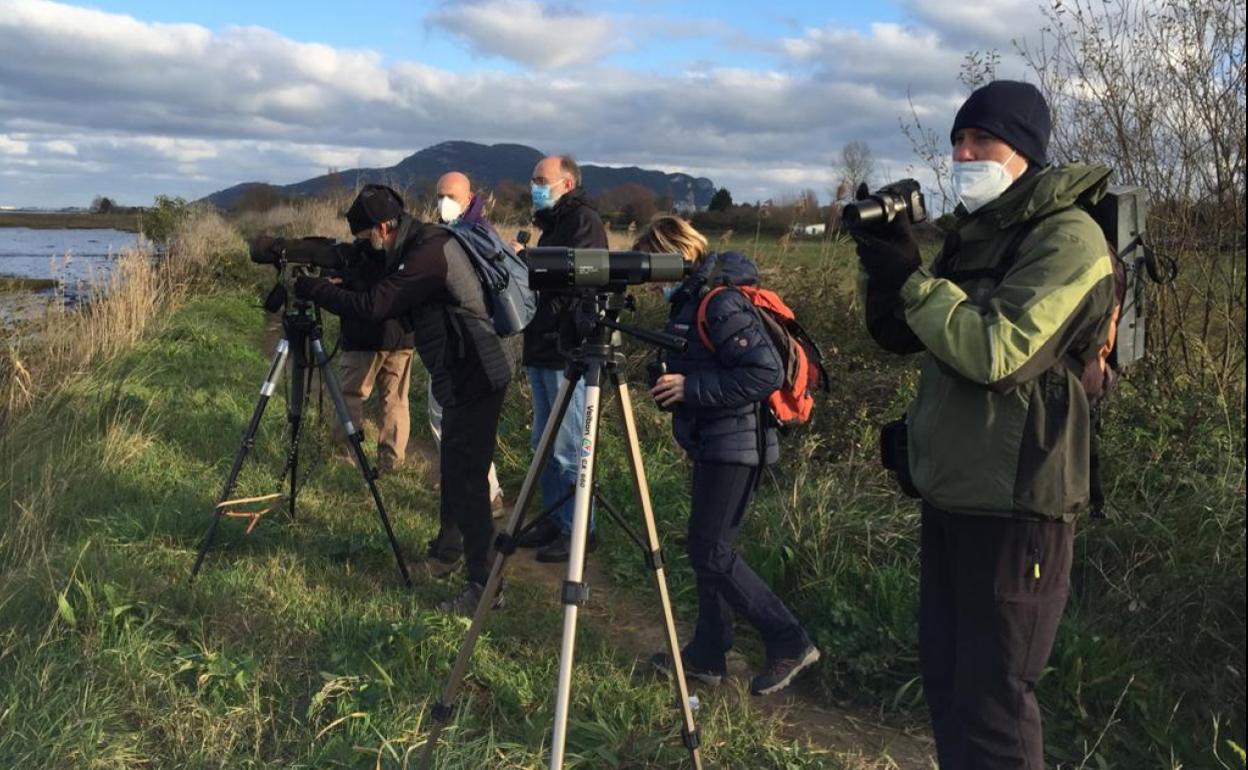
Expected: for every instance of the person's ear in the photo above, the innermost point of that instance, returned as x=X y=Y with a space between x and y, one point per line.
x=1021 y=164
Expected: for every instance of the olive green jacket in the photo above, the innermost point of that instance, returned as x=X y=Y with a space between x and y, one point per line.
x=1000 y=425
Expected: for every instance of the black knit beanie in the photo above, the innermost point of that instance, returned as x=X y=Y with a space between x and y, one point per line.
x=1014 y=112
x=375 y=204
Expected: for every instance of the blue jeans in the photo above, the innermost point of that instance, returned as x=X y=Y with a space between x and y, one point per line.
x=559 y=475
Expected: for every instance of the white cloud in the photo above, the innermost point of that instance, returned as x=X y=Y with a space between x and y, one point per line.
x=979 y=24
x=182 y=109
x=10 y=146
x=60 y=147
x=541 y=36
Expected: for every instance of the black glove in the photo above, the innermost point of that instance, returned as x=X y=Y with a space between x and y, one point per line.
x=305 y=286
x=887 y=252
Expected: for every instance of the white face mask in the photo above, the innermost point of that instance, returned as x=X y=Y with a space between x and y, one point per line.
x=978 y=182
x=449 y=210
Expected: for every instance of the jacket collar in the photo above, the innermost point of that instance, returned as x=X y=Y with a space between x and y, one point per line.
x=574 y=198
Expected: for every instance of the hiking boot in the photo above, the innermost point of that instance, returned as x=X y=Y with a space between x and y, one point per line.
x=436 y=565
x=662 y=662
x=542 y=534
x=558 y=549
x=781 y=671
x=466 y=603
x=498 y=508
x=387 y=464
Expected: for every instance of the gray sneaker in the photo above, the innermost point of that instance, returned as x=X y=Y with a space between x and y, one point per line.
x=466 y=603
x=781 y=671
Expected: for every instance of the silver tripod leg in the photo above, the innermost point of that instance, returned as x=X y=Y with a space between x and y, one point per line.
x=575 y=592
x=442 y=710
x=654 y=559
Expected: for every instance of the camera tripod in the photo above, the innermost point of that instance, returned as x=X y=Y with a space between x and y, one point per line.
x=596 y=361
x=301 y=341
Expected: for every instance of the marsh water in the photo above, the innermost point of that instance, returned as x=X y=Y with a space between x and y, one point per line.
x=74 y=259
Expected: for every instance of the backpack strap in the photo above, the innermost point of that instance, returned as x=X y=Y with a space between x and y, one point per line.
x=700 y=321
x=761 y=413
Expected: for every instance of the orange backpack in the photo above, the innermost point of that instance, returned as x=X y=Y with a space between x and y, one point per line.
x=800 y=357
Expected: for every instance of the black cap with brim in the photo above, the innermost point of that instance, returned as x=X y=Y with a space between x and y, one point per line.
x=375 y=204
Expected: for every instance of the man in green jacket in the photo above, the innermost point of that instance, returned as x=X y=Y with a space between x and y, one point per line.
x=1019 y=300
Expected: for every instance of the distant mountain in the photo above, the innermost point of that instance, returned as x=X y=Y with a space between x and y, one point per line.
x=485 y=165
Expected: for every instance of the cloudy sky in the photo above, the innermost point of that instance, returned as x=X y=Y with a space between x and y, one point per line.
x=131 y=98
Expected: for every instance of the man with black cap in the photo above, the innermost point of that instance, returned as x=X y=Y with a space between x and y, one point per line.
x=375 y=358
x=996 y=442
x=434 y=288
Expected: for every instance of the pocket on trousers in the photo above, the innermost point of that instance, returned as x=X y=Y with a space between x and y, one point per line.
x=1032 y=594
x=1028 y=628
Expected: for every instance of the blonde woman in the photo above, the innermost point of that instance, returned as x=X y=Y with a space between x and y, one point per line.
x=714 y=397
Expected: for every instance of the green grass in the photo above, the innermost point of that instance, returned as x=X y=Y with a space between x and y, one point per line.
x=1148 y=669
x=297 y=646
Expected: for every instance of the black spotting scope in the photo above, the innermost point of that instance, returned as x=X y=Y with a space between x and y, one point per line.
x=319 y=252
x=565 y=269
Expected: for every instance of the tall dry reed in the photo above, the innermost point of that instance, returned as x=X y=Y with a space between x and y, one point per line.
x=39 y=356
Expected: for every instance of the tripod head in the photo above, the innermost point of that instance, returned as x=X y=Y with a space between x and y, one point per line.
x=598 y=324
x=281 y=298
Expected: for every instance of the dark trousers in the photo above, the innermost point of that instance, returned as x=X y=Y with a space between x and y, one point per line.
x=469 y=433
x=991 y=595
x=726 y=584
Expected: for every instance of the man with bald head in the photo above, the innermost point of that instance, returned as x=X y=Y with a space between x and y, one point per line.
x=458 y=204
x=568 y=219
x=455 y=198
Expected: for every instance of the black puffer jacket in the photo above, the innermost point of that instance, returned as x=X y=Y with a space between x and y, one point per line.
x=365 y=269
x=718 y=420
x=572 y=222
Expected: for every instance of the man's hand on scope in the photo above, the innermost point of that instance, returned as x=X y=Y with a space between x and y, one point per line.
x=669 y=390
x=889 y=252
x=305 y=285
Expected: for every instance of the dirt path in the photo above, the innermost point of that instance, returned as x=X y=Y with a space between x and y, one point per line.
x=638 y=631
x=862 y=742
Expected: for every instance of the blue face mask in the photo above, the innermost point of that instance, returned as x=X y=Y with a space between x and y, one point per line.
x=541 y=196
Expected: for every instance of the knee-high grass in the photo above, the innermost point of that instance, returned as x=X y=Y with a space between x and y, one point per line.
x=297 y=648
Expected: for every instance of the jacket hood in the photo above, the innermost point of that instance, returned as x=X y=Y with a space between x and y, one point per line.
x=1051 y=189
x=475 y=211
x=729 y=267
